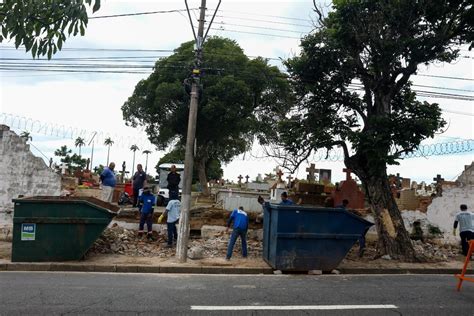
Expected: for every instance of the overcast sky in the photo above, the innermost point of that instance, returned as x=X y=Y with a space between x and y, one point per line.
x=80 y=103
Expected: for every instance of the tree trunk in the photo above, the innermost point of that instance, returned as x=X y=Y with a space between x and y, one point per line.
x=394 y=239
x=201 y=166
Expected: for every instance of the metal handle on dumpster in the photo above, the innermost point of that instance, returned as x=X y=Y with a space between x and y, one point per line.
x=317 y=236
x=60 y=220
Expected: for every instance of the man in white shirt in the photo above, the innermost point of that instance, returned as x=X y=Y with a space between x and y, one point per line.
x=465 y=220
x=173 y=210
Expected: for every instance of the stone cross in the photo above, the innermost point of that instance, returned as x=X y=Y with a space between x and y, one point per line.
x=438 y=179
x=247 y=179
x=240 y=179
x=311 y=172
x=123 y=171
x=279 y=175
x=63 y=168
x=348 y=173
x=289 y=180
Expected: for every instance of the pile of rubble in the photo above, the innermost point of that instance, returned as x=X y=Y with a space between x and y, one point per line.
x=436 y=252
x=431 y=250
x=121 y=241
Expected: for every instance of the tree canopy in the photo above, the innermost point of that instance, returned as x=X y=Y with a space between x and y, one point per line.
x=43 y=26
x=237 y=95
x=351 y=83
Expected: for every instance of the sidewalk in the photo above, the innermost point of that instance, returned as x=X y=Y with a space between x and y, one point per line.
x=131 y=264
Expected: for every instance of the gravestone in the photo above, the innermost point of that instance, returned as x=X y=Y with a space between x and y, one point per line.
x=259 y=178
x=247 y=179
x=406 y=183
x=240 y=179
x=311 y=172
x=350 y=191
x=289 y=181
x=325 y=175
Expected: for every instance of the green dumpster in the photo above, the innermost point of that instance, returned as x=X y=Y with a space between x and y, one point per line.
x=49 y=228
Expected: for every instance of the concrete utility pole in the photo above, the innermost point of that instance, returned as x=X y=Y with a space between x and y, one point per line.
x=183 y=234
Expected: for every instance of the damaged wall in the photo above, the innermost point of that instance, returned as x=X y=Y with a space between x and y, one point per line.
x=21 y=172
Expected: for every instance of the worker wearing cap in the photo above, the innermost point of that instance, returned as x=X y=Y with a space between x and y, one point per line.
x=147 y=200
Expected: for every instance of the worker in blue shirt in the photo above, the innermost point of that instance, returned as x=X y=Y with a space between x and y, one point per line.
x=147 y=200
x=285 y=200
x=241 y=224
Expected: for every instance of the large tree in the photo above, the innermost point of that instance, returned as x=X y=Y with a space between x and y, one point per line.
x=374 y=46
x=43 y=26
x=236 y=96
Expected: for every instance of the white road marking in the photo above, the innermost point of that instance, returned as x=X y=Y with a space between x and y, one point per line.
x=291 y=307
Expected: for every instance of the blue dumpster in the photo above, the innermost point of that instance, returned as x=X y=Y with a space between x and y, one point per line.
x=303 y=238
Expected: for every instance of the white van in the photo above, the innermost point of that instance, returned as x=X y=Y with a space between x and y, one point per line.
x=163 y=192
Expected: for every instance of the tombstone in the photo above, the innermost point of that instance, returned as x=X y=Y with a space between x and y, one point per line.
x=325 y=175
x=279 y=175
x=222 y=182
x=349 y=190
x=311 y=172
x=414 y=185
x=247 y=179
x=406 y=183
x=240 y=179
x=123 y=172
x=88 y=162
x=63 y=168
x=439 y=185
x=289 y=181
x=50 y=162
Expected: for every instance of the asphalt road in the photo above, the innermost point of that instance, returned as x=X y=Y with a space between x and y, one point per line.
x=158 y=294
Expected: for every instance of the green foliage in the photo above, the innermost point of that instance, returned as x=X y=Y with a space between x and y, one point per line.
x=43 y=26
x=238 y=97
x=74 y=162
x=434 y=230
x=26 y=136
x=99 y=169
x=380 y=44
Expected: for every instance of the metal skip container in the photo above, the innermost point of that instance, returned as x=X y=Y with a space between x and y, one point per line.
x=47 y=228
x=303 y=238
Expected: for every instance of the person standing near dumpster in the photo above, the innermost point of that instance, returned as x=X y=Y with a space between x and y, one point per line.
x=465 y=220
x=173 y=180
x=173 y=212
x=285 y=200
x=147 y=200
x=108 y=180
x=139 y=182
x=241 y=222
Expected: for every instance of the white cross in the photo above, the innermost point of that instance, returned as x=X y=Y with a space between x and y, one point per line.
x=63 y=168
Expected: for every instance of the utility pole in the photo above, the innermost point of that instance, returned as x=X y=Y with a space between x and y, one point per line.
x=183 y=235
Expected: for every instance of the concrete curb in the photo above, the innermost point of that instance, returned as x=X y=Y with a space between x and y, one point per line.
x=120 y=268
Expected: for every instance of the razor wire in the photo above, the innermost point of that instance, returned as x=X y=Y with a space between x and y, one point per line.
x=35 y=126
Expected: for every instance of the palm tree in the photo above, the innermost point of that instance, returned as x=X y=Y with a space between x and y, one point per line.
x=134 y=148
x=79 y=143
x=108 y=142
x=146 y=152
x=26 y=136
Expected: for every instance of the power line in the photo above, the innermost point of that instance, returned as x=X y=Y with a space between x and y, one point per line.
x=138 y=13
x=268 y=15
x=259 y=27
x=446 y=77
x=263 y=21
x=255 y=33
